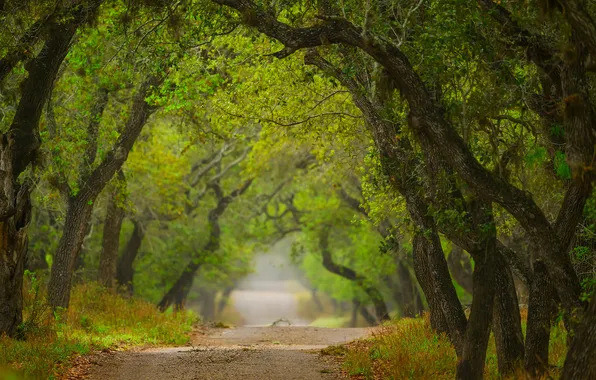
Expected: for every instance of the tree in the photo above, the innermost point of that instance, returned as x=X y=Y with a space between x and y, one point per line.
x=81 y=204
x=111 y=234
x=20 y=145
x=179 y=291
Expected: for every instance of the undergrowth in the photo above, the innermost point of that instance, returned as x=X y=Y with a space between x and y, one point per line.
x=409 y=349
x=96 y=320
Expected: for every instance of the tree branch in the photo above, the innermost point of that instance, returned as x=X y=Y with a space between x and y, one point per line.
x=92 y=184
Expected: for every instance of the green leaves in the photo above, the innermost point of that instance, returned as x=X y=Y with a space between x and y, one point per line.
x=561 y=167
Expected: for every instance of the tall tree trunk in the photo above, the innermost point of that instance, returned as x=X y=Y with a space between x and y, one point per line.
x=471 y=364
x=438 y=282
x=395 y=288
x=111 y=236
x=580 y=362
x=540 y=313
x=125 y=271
x=69 y=247
x=507 y=320
x=421 y=268
x=349 y=274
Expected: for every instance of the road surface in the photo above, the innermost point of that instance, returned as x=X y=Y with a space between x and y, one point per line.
x=247 y=353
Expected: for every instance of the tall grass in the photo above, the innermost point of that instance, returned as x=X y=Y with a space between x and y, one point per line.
x=96 y=320
x=409 y=349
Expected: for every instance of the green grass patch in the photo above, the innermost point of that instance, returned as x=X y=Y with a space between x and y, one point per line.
x=96 y=320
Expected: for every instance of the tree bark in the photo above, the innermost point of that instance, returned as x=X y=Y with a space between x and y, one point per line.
x=125 y=271
x=580 y=363
x=75 y=229
x=471 y=364
x=507 y=320
x=540 y=313
x=111 y=236
x=375 y=295
x=26 y=43
x=421 y=268
x=368 y=317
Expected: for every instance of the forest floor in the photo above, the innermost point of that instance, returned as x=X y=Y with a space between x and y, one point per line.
x=279 y=352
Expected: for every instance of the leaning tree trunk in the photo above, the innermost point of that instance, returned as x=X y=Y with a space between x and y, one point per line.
x=125 y=270
x=225 y=298
x=368 y=317
x=178 y=293
x=111 y=237
x=69 y=247
x=581 y=357
x=349 y=274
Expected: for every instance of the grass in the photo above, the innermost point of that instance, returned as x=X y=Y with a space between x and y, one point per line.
x=409 y=349
x=96 y=320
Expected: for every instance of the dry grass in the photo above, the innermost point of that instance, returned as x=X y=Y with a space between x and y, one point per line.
x=96 y=320
x=409 y=349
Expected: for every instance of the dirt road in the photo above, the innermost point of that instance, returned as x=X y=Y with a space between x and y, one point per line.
x=263 y=307
x=248 y=353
